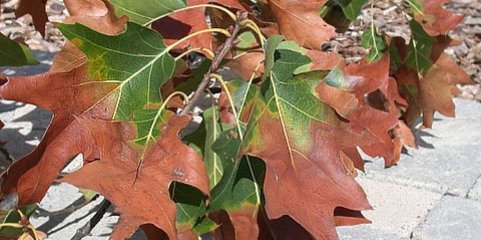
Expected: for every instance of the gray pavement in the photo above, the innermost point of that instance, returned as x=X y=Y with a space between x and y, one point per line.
x=433 y=193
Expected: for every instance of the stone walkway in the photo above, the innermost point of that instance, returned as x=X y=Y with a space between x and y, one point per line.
x=434 y=193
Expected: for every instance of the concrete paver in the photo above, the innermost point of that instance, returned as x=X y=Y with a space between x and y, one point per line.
x=365 y=232
x=467 y=109
x=452 y=218
x=397 y=210
x=475 y=192
x=451 y=169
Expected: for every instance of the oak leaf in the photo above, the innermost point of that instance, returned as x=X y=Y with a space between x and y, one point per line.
x=300 y=139
x=14 y=54
x=95 y=14
x=89 y=85
x=37 y=9
x=299 y=20
x=426 y=75
x=55 y=91
x=434 y=18
x=433 y=91
x=364 y=94
x=238 y=193
x=165 y=161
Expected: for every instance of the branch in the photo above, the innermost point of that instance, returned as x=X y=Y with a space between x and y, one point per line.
x=224 y=49
x=87 y=228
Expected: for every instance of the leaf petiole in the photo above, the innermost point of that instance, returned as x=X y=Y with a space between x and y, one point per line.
x=231 y=102
x=253 y=26
x=223 y=9
x=152 y=127
x=249 y=84
x=206 y=51
x=13 y=225
x=209 y=30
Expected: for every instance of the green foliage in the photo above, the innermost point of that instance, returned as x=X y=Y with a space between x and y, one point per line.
x=14 y=54
x=280 y=140
x=375 y=42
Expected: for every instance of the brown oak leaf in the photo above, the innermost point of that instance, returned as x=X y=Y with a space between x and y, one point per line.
x=37 y=9
x=95 y=14
x=183 y=23
x=65 y=92
x=145 y=200
x=299 y=20
x=377 y=113
x=435 y=19
x=431 y=92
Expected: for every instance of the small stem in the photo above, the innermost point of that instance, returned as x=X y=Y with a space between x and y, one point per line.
x=253 y=26
x=152 y=127
x=249 y=84
x=13 y=225
x=34 y=231
x=240 y=55
x=225 y=48
x=231 y=102
x=24 y=236
x=209 y=30
x=201 y=50
x=223 y=9
x=87 y=228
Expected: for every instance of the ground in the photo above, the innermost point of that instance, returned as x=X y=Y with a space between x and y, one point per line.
x=433 y=193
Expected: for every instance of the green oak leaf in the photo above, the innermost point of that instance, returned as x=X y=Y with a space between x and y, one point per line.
x=191 y=209
x=240 y=186
x=416 y=6
x=340 y=13
x=396 y=60
x=14 y=54
x=213 y=163
x=276 y=48
x=419 y=50
x=375 y=42
x=351 y=8
x=239 y=190
x=294 y=133
x=148 y=11
x=137 y=62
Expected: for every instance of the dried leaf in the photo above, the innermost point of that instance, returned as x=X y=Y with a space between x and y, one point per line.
x=37 y=9
x=434 y=18
x=113 y=175
x=301 y=138
x=95 y=14
x=79 y=85
x=299 y=20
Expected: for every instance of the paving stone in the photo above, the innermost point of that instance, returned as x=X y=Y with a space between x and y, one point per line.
x=450 y=132
x=24 y=126
x=60 y=227
x=452 y=218
x=365 y=232
x=475 y=192
x=451 y=169
x=397 y=210
x=467 y=109
x=448 y=158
